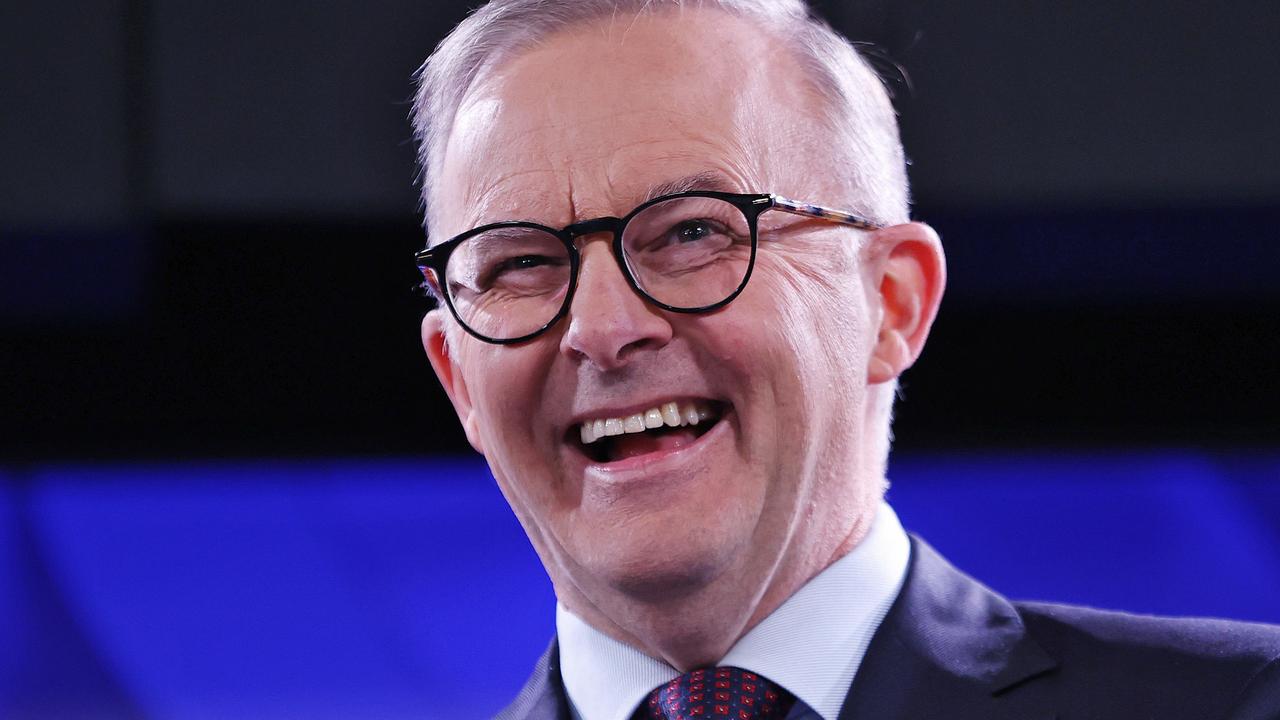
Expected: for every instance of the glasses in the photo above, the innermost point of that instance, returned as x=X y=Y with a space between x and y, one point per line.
x=689 y=252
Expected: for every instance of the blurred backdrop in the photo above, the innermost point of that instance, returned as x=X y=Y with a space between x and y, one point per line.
x=229 y=485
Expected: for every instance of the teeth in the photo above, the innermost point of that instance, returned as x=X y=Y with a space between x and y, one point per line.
x=671 y=414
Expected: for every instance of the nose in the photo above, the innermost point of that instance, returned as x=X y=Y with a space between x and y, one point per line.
x=608 y=321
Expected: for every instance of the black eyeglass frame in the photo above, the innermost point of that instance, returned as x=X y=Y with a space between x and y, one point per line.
x=752 y=205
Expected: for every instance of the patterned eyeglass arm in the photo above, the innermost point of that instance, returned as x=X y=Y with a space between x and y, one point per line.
x=824 y=213
x=429 y=286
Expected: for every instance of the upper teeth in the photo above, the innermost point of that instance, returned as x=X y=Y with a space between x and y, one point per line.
x=671 y=414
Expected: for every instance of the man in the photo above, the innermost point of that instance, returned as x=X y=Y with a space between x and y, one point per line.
x=678 y=285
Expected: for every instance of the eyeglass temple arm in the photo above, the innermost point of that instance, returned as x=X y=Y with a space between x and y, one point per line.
x=430 y=284
x=824 y=213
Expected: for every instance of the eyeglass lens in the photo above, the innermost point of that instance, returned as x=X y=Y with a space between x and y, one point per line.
x=686 y=252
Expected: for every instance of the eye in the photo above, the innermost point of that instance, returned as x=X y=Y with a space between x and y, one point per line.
x=685 y=231
x=694 y=230
x=517 y=260
x=522 y=262
x=525 y=271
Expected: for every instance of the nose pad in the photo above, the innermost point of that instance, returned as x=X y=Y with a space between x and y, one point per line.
x=608 y=320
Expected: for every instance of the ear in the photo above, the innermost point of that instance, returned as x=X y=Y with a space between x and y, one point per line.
x=435 y=342
x=911 y=273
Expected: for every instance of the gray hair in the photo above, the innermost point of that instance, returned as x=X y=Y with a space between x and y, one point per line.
x=864 y=124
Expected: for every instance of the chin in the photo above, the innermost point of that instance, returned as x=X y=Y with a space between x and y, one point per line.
x=664 y=568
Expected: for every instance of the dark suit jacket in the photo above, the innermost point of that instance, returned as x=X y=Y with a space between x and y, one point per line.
x=951 y=649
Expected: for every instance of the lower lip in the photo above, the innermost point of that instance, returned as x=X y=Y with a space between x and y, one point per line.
x=662 y=459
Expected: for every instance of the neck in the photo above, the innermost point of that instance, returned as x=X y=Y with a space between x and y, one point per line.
x=694 y=629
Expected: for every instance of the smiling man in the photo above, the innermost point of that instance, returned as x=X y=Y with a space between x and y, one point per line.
x=678 y=284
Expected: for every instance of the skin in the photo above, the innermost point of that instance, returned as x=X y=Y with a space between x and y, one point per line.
x=682 y=557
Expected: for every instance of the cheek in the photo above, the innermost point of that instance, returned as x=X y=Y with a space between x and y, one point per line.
x=822 y=306
x=789 y=343
x=505 y=392
x=506 y=401
x=800 y=324
x=824 y=337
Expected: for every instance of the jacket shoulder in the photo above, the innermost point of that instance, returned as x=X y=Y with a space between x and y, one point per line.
x=1164 y=666
x=1189 y=639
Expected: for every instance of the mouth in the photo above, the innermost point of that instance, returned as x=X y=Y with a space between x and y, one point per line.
x=664 y=427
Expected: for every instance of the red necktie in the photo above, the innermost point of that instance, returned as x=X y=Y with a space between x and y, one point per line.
x=722 y=693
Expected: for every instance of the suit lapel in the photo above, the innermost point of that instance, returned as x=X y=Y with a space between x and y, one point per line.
x=542 y=697
x=949 y=648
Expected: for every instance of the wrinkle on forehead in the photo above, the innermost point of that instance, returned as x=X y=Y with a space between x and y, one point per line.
x=531 y=184
x=584 y=124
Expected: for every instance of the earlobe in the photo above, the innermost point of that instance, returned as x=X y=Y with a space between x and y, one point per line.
x=912 y=273
x=436 y=344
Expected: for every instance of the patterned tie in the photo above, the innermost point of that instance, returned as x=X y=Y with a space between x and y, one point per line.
x=716 y=694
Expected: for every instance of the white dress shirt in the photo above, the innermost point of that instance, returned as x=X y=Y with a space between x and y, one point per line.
x=811 y=645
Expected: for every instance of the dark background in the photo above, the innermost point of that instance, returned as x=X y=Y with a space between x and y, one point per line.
x=208 y=212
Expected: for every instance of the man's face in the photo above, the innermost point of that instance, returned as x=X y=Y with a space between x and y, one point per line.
x=783 y=470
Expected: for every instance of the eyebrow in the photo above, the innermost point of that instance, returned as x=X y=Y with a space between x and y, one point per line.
x=711 y=180
x=705 y=180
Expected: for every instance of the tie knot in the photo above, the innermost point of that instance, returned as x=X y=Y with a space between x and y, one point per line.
x=717 y=694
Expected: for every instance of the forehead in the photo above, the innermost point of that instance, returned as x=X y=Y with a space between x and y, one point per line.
x=595 y=116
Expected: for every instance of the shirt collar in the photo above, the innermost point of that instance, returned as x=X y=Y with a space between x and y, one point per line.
x=811 y=645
